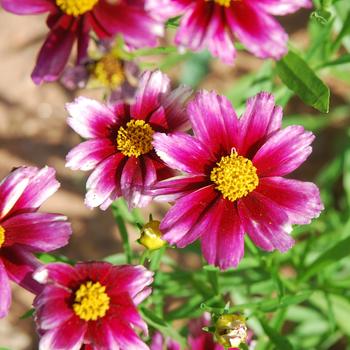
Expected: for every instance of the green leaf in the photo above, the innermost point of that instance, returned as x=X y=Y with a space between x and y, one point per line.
x=300 y=78
x=27 y=314
x=277 y=339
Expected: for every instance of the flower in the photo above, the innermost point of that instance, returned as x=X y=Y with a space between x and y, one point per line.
x=24 y=231
x=212 y=24
x=231 y=330
x=159 y=343
x=92 y=305
x=233 y=180
x=71 y=20
x=120 y=148
x=151 y=236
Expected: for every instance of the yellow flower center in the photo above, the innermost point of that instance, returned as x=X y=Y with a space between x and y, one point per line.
x=235 y=176
x=231 y=330
x=2 y=236
x=135 y=139
x=91 y=301
x=76 y=7
x=151 y=236
x=109 y=71
x=225 y=3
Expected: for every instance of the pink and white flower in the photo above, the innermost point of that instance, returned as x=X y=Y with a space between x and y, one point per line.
x=119 y=148
x=213 y=24
x=234 y=179
x=24 y=231
x=73 y=20
x=91 y=306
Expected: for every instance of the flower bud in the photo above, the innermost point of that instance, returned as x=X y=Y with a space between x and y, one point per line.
x=151 y=236
x=231 y=330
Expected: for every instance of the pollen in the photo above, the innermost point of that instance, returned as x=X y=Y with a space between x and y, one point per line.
x=91 y=301
x=2 y=236
x=135 y=139
x=235 y=176
x=76 y=7
x=226 y=3
x=109 y=71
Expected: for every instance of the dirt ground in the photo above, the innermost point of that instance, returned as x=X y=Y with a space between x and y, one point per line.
x=33 y=131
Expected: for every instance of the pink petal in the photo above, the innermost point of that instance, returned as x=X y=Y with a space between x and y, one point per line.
x=138 y=176
x=281 y=7
x=259 y=32
x=40 y=231
x=152 y=85
x=183 y=152
x=103 y=184
x=42 y=185
x=20 y=264
x=69 y=335
x=183 y=216
x=136 y=26
x=27 y=7
x=100 y=336
x=176 y=187
x=265 y=222
x=55 y=52
x=88 y=154
x=260 y=119
x=11 y=189
x=90 y=118
x=56 y=273
x=298 y=199
x=214 y=121
x=223 y=240
x=284 y=151
x=5 y=291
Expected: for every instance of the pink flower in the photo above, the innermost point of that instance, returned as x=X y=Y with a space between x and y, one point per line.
x=120 y=148
x=212 y=24
x=159 y=343
x=24 y=231
x=71 y=20
x=234 y=179
x=91 y=305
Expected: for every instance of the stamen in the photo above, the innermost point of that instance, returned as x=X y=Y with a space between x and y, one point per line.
x=2 y=236
x=109 y=71
x=135 y=139
x=226 y=3
x=91 y=301
x=76 y=7
x=235 y=176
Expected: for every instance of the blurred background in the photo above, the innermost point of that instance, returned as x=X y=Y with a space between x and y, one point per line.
x=33 y=131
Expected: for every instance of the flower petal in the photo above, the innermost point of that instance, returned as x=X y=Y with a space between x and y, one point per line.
x=100 y=336
x=88 y=154
x=5 y=291
x=260 y=119
x=282 y=7
x=56 y=273
x=298 y=199
x=27 y=7
x=183 y=152
x=152 y=85
x=259 y=32
x=20 y=264
x=55 y=51
x=40 y=231
x=223 y=240
x=214 y=122
x=42 y=185
x=90 y=118
x=264 y=221
x=283 y=152
x=103 y=185
x=184 y=215
x=138 y=176
x=69 y=335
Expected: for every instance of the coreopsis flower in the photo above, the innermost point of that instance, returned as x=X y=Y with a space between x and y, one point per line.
x=24 y=231
x=231 y=330
x=161 y=343
x=233 y=182
x=120 y=147
x=73 y=20
x=212 y=24
x=91 y=306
